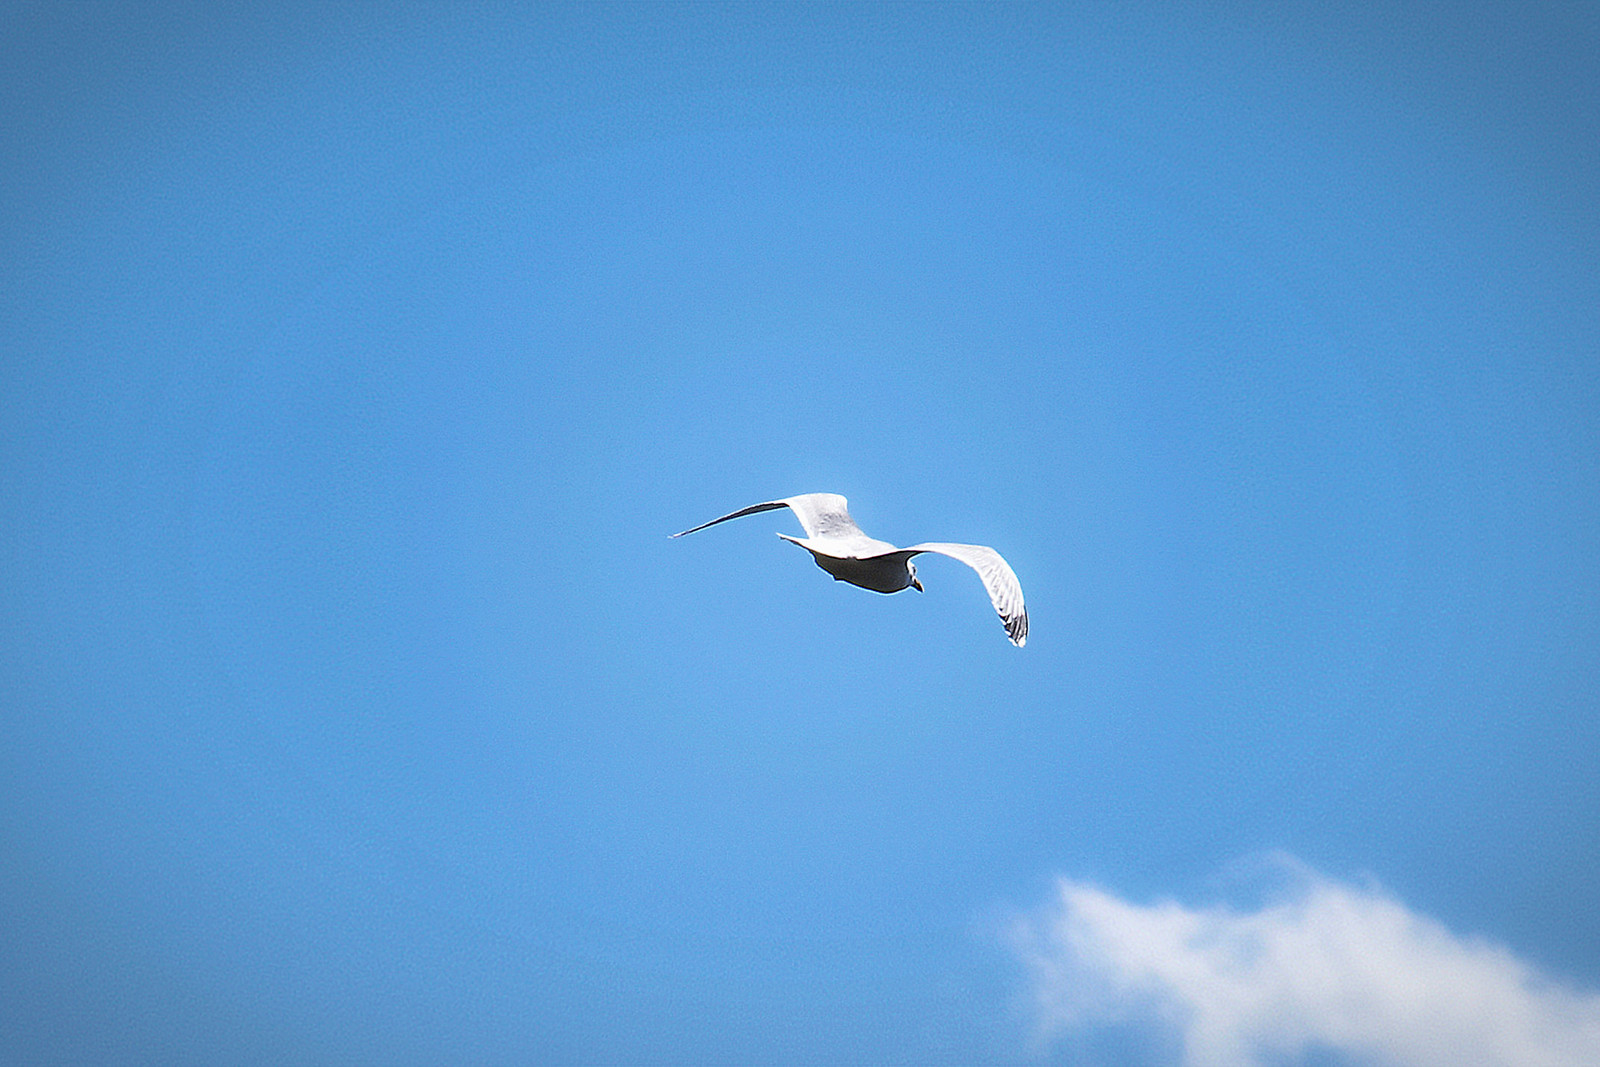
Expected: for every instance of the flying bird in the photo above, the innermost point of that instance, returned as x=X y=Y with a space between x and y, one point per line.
x=840 y=548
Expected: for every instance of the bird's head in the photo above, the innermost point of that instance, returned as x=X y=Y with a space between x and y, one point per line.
x=912 y=569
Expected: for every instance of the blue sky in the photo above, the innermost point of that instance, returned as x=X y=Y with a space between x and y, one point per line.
x=358 y=363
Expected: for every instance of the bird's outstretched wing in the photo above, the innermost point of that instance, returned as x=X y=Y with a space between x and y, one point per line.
x=1005 y=592
x=771 y=505
x=820 y=514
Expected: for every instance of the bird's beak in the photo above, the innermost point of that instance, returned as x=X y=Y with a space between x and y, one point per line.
x=917 y=584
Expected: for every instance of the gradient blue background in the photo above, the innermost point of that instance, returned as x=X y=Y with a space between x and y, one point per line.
x=357 y=364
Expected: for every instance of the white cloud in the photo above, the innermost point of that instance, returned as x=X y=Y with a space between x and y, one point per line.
x=1330 y=967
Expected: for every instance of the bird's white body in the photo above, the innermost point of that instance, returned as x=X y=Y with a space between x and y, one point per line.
x=840 y=547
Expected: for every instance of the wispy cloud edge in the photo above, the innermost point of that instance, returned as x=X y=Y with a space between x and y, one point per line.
x=1328 y=966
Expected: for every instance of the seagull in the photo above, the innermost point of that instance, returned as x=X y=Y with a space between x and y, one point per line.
x=840 y=548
